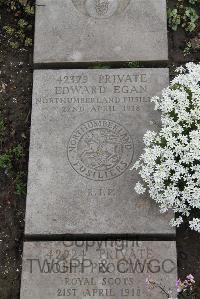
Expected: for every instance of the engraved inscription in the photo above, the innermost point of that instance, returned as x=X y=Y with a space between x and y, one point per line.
x=100 y=269
x=99 y=9
x=78 y=94
x=100 y=149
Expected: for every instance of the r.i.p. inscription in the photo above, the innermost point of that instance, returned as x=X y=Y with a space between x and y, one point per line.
x=87 y=128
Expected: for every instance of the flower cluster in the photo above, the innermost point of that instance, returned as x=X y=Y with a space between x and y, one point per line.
x=170 y=164
x=186 y=286
x=184 y=289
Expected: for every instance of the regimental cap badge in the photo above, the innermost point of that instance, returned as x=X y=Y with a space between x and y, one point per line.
x=100 y=9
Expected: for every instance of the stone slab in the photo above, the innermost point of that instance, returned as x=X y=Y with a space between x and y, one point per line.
x=100 y=30
x=86 y=132
x=97 y=269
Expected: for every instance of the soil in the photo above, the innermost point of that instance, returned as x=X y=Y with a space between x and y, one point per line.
x=15 y=106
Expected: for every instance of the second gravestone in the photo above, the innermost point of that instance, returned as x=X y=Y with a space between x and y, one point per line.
x=98 y=269
x=86 y=132
x=100 y=30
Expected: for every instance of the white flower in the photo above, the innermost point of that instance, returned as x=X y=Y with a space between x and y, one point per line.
x=139 y=188
x=195 y=224
x=176 y=222
x=170 y=163
x=149 y=137
x=180 y=70
x=136 y=165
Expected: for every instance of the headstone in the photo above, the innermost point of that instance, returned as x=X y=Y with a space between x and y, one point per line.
x=98 y=269
x=100 y=30
x=86 y=132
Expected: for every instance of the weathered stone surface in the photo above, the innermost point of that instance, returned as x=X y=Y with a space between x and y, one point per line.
x=100 y=30
x=97 y=269
x=86 y=132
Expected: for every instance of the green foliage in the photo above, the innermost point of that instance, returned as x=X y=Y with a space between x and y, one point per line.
x=185 y=14
x=10 y=160
x=18 y=152
x=174 y=18
x=100 y=66
x=20 y=186
x=28 y=42
x=9 y=30
x=194 y=2
x=187 y=49
x=22 y=23
x=190 y=19
x=19 y=33
x=29 y=10
x=7 y=159
x=133 y=64
x=14 y=45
